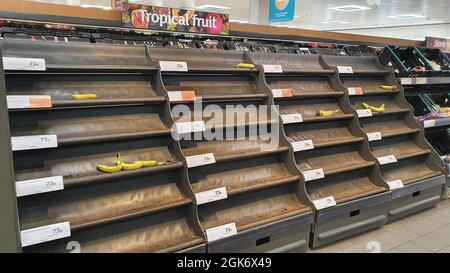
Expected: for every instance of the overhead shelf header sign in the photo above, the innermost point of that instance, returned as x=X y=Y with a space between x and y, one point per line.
x=172 y=19
x=281 y=10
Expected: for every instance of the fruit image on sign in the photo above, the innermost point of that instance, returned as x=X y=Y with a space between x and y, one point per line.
x=138 y=19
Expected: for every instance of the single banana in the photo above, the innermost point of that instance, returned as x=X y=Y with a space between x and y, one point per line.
x=327 y=113
x=380 y=109
x=109 y=169
x=148 y=163
x=84 y=96
x=242 y=65
x=132 y=167
x=388 y=87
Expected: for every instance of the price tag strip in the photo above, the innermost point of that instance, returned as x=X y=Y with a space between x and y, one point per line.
x=313 y=175
x=177 y=96
x=324 y=203
x=273 y=68
x=406 y=81
x=27 y=64
x=292 y=118
x=173 y=66
x=200 y=160
x=45 y=234
x=429 y=123
x=220 y=232
x=302 y=145
x=395 y=184
x=23 y=102
x=40 y=185
x=421 y=80
x=211 y=195
x=345 y=69
x=22 y=143
x=387 y=159
x=282 y=93
x=190 y=127
x=374 y=136
x=355 y=91
x=362 y=113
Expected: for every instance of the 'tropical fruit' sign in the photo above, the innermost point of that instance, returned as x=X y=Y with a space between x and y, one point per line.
x=172 y=19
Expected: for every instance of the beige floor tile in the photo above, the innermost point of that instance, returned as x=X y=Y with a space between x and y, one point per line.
x=429 y=243
x=445 y=250
x=387 y=236
x=422 y=227
x=409 y=248
x=441 y=235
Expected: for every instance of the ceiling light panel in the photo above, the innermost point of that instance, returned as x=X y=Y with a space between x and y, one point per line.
x=350 y=8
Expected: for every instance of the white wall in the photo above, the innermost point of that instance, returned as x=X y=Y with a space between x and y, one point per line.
x=408 y=32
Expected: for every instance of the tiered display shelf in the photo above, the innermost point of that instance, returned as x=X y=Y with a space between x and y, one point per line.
x=396 y=138
x=263 y=191
x=337 y=151
x=151 y=209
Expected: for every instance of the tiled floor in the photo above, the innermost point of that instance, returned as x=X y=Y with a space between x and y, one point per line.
x=425 y=232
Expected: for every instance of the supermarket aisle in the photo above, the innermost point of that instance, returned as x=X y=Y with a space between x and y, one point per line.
x=425 y=232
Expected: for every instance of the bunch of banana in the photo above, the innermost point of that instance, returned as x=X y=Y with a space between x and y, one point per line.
x=84 y=96
x=242 y=65
x=122 y=166
x=380 y=109
x=327 y=113
x=388 y=87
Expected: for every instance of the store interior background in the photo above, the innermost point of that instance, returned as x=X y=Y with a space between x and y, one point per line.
x=412 y=20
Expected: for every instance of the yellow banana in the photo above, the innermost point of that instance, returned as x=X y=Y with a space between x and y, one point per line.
x=242 y=65
x=109 y=169
x=380 y=109
x=327 y=113
x=132 y=167
x=148 y=163
x=388 y=87
x=84 y=96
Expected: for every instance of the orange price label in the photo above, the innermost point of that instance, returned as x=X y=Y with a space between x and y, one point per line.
x=182 y=96
x=282 y=93
x=22 y=102
x=355 y=91
x=40 y=101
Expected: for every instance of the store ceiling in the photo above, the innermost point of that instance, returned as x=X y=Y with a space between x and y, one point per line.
x=320 y=15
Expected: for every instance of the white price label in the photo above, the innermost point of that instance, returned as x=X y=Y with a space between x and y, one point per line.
x=421 y=80
x=406 y=81
x=313 y=175
x=302 y=145
x=387 y=159
x=22 y=143
x=362 y=113
x=22 y=102
x=345 y=69
x=292 y=118
x=200 y=160
x=324 y=202
x=304 y=48
x=177 y=96
x=211 y=195
x=374 y=136
x=190 y=127
x=45 y=234
x=282 y=93
x=40 y=185
x=355 y=91
x=396 y=184
x=273 y=68
x=429 y=123
x=173 y=66
x=221 y=232
x=32 y=64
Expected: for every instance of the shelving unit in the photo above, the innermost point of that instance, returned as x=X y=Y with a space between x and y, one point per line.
x=396 y=139
x=151 y=209
x=330 y=151
x=259 y=190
